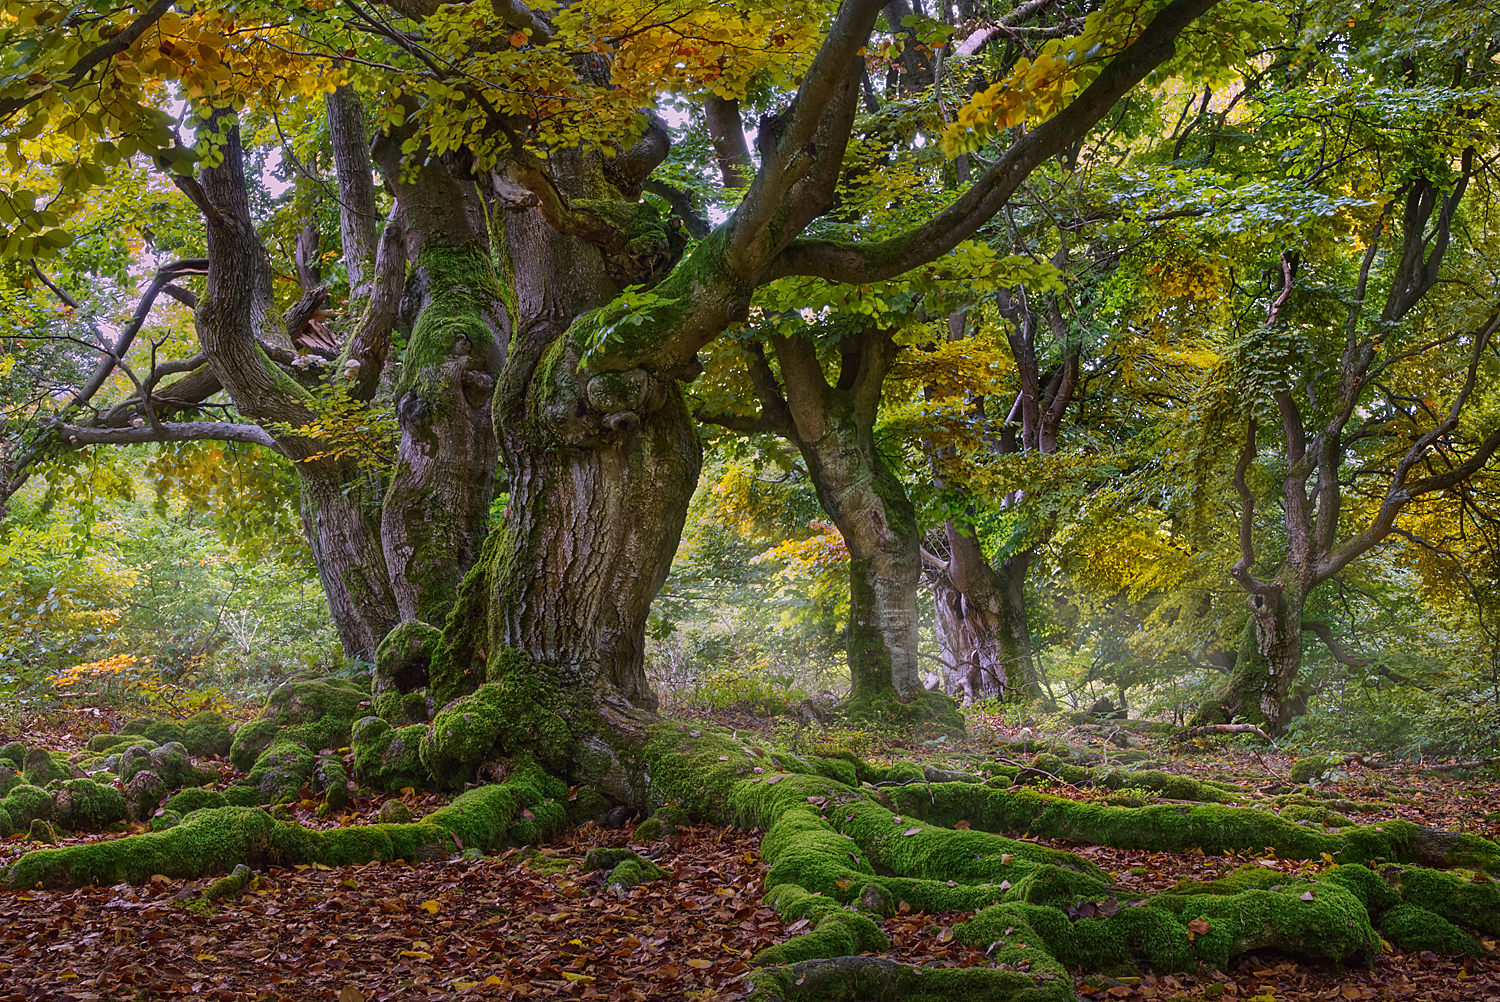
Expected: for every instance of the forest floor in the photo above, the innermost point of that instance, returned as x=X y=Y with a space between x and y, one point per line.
x=531 y=924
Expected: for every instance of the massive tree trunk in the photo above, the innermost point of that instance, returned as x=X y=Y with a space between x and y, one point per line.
x=436 y=513
x=1260 y=688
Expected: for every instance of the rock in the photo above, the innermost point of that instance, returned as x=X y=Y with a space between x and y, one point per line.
x=394 y=812
x=144 y=794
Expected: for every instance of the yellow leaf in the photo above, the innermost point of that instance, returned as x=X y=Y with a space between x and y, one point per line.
x=432 y=907
x=417 y=954
x=577 y=977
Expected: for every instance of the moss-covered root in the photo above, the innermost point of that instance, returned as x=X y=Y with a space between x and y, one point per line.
x=876 y=979
x=214 y=840
x=626 y=867
x=231 y=885
x=1211 y=827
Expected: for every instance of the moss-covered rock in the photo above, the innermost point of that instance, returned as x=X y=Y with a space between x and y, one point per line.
x=105 y=742
x=144 y=794
x=926 y=709
x=13 y=752
x=193 y=798
x=403 y=659
x=663 y=824
x=9 y=779
x=249 y=740
x=627 y=867
x=206 y=734
x=166 y=819
x=1311 y=767
x=26 y=803
x=394 y=812
x=332 y=780
x=84 y=805
x=7 y=826
x=404 y=708
x=317 y=712
x=1415 y=928
x=281 y=770
x=388 y=758
x=230 y=885
x=42 y=767
x=41 y=831
x=242 y=795
x=165 y=732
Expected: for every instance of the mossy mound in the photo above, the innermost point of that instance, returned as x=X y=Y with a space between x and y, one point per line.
x=13 y=752
x=627 y=867
x=7 y=826
x=404 y=708
x=26 y=803
x=43 y=767
x=185 y=802
x=9 y=779
x=926 y=710
x=497 y=720
x=207 y=734
x=281 y=769
x=403 y=659
x=388 y=758
x=84 y=805
x=1412 y=927
x=662 y=824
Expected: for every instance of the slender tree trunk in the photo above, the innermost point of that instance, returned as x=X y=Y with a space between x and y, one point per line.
x=358 y=217
x=834 y=428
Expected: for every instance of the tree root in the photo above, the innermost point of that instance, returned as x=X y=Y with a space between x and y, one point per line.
x=214 y=840
x=1224 y=729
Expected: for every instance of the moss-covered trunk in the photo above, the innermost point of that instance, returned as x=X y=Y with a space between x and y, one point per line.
x=1261 y=687
x=436 y=513
x=833 y=426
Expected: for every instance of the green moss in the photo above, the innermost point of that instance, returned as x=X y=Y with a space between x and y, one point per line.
x=26 y=803
x=627 y=868
x=84 y=805
x=836 y=934
x=7 y=826
x=195 y=799
x=165 y=731
x=230 y=885
x=1318 y=814
x=403 y=707
x=42 y=767
x=929 y=710
x=1310 y=767
x=664 y=823
x=1461 y=899
x=166 y=819
x=249 y=740
x=867 y=979
x=15 y=752
x=1415 y=928
x=215 y=839
x=1213 y=828
x=332 y=780
x=394 y=812
x=242 y=795
x=137 y=726
x=41 y=831
x=104 y=742
x=388 y=758
x=206 y=734
x=500 y=719
x=9 y=779
x=281 y=769
x=403 y=659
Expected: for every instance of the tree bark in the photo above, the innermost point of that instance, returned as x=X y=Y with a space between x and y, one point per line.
x=341 y=520
x=834 y=428
x=358 y=216
x=436 y=513
x=981 y=623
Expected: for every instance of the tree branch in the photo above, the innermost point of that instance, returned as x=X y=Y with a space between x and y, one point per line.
x=182 y=431
x=862 y=263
